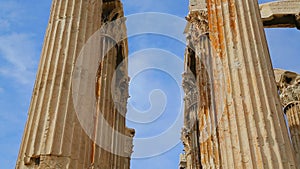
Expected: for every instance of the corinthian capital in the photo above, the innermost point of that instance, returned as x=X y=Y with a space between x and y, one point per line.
x=288 y=84
x=198 y=23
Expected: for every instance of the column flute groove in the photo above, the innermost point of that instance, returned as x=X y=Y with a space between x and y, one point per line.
x=288 y=84
x=52 y=125
x=239 y=42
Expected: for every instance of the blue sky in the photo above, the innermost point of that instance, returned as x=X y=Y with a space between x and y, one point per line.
x=22 y=28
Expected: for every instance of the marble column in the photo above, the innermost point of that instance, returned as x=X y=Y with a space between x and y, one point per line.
x=288 y=84
x=53 y=136
x=251 y=132
x=199 y=133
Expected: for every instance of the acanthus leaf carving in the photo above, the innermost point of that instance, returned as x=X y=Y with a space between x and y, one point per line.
x=288 y=84
x=190 y=89
x=198 y=25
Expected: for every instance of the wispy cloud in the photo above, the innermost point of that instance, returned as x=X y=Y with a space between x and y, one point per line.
x=4 y=24
x=10 y=15
x=19 y=52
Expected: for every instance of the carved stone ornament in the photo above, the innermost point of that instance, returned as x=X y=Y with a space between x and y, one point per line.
x=281 y=14
x=114 y=24
x=198 y=24
x=121 y=93
x=186 y=140
x=190 y=89
x=128 y=147
x=288 y=84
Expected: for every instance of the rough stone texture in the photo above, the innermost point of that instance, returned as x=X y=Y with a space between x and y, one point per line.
x=237 y=120
x=53 y=137
x=252 y=132
x=288 y=84
x=182 y=163
x=199 y=132
x=284 y=13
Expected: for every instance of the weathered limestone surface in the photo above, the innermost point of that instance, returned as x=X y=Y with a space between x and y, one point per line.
x=285 y=13
x=113 y=109
x=288 y=84
x=182 y=163
x=53 y=137
x=199 y=131
x=252 y=132
x=190 y=132
x=238 y=117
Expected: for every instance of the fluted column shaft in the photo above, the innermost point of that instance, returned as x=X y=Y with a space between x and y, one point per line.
x=113 y=89
x=293 y=117
x=53 y=136
x=288 y=84
x=202 y=151
x=252 y=132
x=203 y=147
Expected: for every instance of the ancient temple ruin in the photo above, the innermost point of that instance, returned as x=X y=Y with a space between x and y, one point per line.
x=233 y=116
x=288 y=84
x=53 y=137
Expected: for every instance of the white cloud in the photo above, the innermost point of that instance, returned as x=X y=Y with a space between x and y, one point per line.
x=10 y=14
x=19 y=52
x=4 y=24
